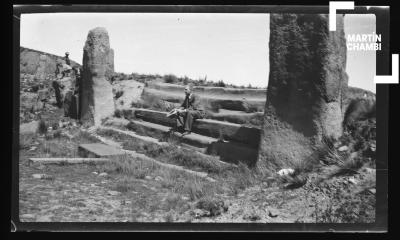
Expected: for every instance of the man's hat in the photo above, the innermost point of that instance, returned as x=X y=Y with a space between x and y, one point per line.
x=67 y=53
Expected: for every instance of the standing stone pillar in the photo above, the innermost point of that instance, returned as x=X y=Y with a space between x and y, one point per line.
x=110 y=69
x=96 y=98
x=307 y=84
x=41 y=70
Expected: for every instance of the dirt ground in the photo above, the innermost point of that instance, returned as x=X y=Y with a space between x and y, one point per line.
x=73 y=193
x=98 y=193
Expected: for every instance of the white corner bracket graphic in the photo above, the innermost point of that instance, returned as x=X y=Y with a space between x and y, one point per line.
x=394 y=78
x=333 y=6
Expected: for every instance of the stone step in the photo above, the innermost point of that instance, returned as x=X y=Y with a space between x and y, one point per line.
x=67 y=160
x=146 y=139
x=163 y=132
x=230 y=152
x=161 y=164
x=208 y=127
x=261 y=93
x=238 y=117
x=238 y=103
x=98 y=150
x=151 y=140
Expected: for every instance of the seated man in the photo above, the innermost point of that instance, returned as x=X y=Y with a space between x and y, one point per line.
x=188 y=112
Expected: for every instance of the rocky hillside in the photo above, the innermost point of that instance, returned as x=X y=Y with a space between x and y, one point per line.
x=29 y=61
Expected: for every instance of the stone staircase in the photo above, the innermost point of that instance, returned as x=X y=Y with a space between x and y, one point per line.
x=232 y=142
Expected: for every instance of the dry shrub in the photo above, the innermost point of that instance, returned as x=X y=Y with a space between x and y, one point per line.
x=344 y=207
x=240 y=178
x=213 y=205
x=170 y=78
x=328 y=154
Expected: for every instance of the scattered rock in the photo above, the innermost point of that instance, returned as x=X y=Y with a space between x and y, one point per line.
x=214 y=206
x=103 y=174
x=285 y=171
x=27 y=215
x=343 y=148
x=252 y=217
x=147 y=178
x=273 y=215
x=352 y=180
x=113 y=193
x=199 y=213
x=42 y=176
x=372 y=190
x=95 y=173
x=370 y=170
x=185 y=198
x=33 y=148
x=158 y=178
x=41 y=167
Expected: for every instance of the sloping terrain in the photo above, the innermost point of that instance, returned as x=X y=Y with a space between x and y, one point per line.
x=340 y=187
x=29 y=61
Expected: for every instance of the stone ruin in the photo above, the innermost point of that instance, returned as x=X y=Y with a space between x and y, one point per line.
x=307 y=84
x=95 y=96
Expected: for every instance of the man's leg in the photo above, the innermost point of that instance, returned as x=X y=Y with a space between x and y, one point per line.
x=179 y=121
x=191 y=115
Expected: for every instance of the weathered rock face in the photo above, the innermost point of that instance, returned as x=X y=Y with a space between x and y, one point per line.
x=307 y=84
x=41 y=70
x=127 y=92
x=110 y=68
x=96 y=98
x=30 y=61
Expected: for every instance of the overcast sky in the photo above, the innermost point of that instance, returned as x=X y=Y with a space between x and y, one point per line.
x=228 y=47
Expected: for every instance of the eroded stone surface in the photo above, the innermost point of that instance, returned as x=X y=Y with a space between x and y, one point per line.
x=98 y=150
x=307 y=84
x=96 y=97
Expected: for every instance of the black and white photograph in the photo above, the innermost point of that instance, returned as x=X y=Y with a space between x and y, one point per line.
x=196 y=117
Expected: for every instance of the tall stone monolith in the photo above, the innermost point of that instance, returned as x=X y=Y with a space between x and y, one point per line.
x=96 y=98
x=307 y=84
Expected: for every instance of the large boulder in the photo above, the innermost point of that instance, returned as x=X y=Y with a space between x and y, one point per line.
x=307 y=85
x=96 y=97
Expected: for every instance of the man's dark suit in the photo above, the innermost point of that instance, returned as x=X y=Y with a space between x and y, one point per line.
x=194 y=111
